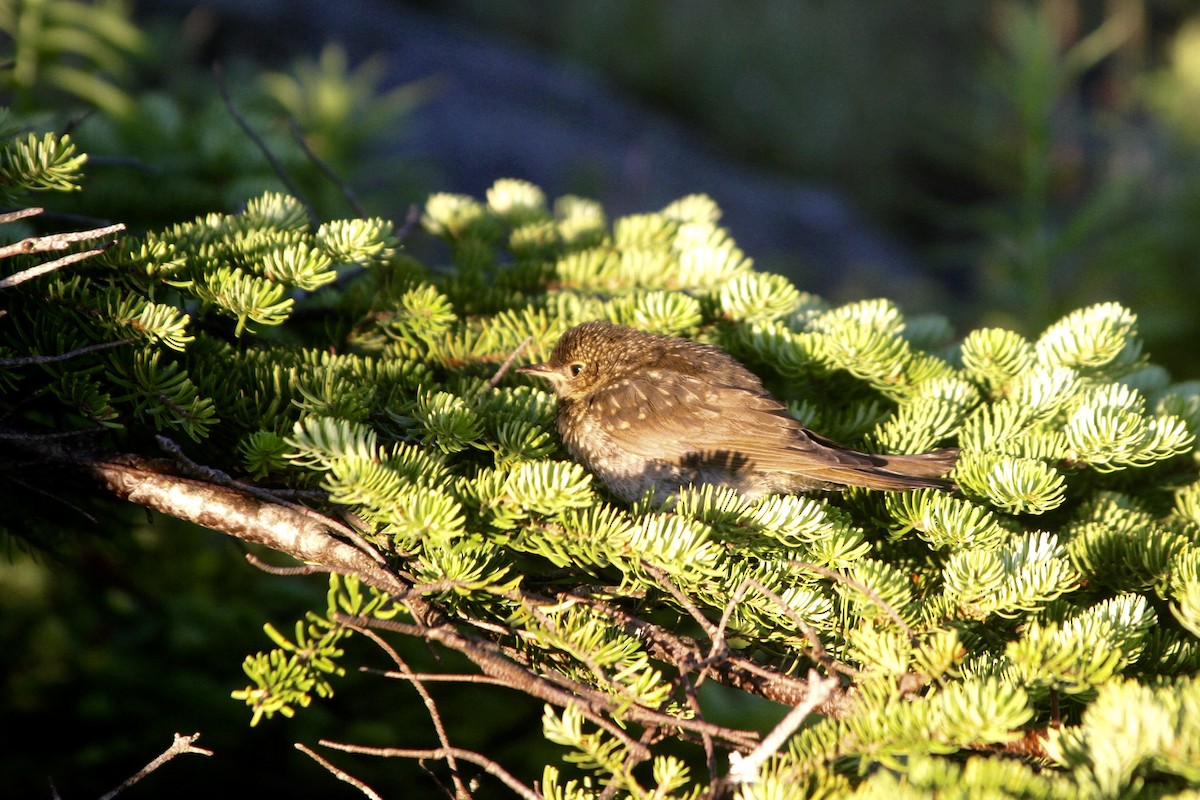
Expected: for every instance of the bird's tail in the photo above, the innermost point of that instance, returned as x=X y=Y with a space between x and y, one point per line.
x=920 y=471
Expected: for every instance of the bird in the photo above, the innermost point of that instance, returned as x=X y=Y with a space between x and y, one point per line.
x=650 y=414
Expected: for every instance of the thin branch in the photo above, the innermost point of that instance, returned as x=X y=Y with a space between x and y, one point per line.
x=25 y=361
x=13 y=216
x=326 y=170
x=238 y=514
x=745 y=769
x=819 y=652
x=74 y=122
x=870 y=593
x=50 y=266
x=710 y=753
x=693 y=611
x=435 y=677
x=213 y=475
x=411 y=220
x=489 y=766
x=77 y=219
x=56 y=241
x=508 y=362
x=736 y=598
x=27 y=436
x=554 y=688
x=132 y=162
x=285 y=572
x=729 y=668
x=181 y=745
x=340 y=774
x=293 y=190
x=460 y=789
x=56 y=499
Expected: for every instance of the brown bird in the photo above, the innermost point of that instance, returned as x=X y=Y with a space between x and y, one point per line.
x=655 y=413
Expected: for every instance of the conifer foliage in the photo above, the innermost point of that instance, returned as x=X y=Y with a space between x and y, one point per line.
x=1032 y=634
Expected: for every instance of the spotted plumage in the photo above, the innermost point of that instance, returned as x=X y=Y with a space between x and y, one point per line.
x=655 y=413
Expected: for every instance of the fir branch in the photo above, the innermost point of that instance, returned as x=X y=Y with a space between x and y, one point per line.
x=551 y=687
x=819 y=654
x=869 y=593
x=727 y=668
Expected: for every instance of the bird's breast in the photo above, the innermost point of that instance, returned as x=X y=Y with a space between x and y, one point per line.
x=589 y=438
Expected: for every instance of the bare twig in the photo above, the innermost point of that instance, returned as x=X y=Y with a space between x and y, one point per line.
x=55 y=498
x=819 y=653
x=340 y=774
x=736 y=598
x=26 y=361
x=181 y=745
x=689 y=662
x=13 y=216
x=744 y=769
x=508 y=362
x=56 y=241
x=728 y=668
x=75 y=121
x=870 y=593
x=239 y=514
x=41 y=436
x=326 y=170
x=489 y=766
x=50 y=266
x=554 y=688
x=217 y=476
x=460 y=789
x=293 y=190
x=285 y=572
x=411 y=220
x=710 y=753
x=664 y=581
x=435 y=677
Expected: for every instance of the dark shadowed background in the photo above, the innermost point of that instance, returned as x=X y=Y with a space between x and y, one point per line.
x=998 y=162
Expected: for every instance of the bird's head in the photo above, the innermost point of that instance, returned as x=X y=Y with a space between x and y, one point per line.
x=590 y=356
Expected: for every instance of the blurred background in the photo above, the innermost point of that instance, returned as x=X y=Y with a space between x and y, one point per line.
x=999 y=162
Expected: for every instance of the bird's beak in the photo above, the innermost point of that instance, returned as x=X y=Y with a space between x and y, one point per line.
x=537 y=370
x=544 y=371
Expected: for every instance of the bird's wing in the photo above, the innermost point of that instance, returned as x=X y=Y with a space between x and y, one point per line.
x=687 y=420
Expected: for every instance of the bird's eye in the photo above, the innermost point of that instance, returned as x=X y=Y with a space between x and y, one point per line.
x=575 y=369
